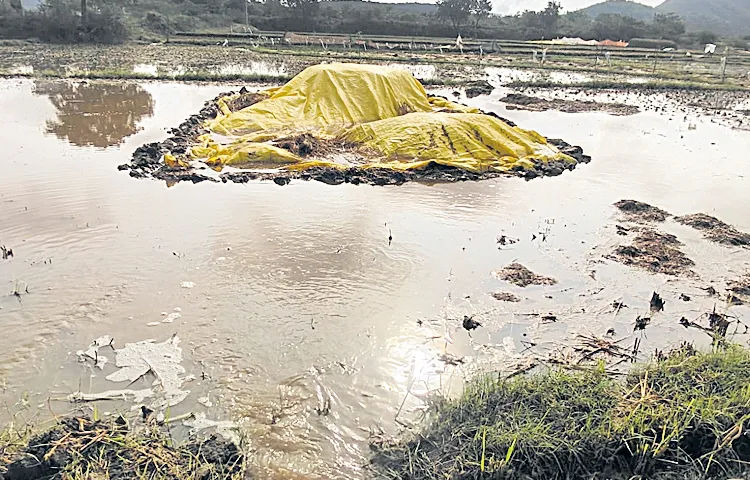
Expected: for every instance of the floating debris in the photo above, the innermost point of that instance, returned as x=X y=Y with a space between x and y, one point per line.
x=715 y=230
x=92 y=352
x=636 y=211
x=521 y=276
x=470 y=324
x=657 y=303
x=654 y=251
x=187 y=284
x=641 y=323
x=504 y=240
x=506 y=297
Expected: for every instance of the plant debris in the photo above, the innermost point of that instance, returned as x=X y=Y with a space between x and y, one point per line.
x=470 y=324
x=656 y=252
x=506 y=297
x=641 y=323
x=78 y=447
x=6 y=252
x=521 y=276
x=715 y=230
x=657 y=303
x=741 y=286
x=636 y=211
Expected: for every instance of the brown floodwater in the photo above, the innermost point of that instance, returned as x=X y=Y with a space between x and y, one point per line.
x=304 y=324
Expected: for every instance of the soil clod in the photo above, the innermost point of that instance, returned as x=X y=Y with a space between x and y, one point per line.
x=715 y=230
x=478 y=87
x=506 y=297
x=521 y=276
x=636 y=211
x=684 y=298
x=470 y=324
x=657 y=303
x=656 y=252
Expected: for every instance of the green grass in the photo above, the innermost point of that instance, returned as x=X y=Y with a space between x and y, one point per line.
x=682 y=416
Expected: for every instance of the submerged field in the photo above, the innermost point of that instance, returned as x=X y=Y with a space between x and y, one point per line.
x=318 y=320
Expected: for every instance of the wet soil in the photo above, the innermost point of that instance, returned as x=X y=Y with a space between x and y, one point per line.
x=741 y=286
x=111 y=450
x=655 y=252
x=478 y=87
x=715 y=230
x=147 y=160
x=506 y=297
x=519 y=101
x=521 y=276
x=635 y=211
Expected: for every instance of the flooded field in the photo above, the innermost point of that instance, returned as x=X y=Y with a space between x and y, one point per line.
x=315 y=316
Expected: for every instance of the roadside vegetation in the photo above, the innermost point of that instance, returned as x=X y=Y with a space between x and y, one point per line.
x=684 y=415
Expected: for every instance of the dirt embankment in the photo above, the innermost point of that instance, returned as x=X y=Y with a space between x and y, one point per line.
x=148 y=160
x=519 y=101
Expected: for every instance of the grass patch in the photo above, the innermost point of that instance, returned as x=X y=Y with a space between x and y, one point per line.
x=682 y=416
x=78 y=448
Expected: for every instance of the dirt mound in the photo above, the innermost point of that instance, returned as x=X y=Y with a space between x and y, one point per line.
x=741 y=286
x=636 y=211
x=506 y=297
x=78 y=447
x=521 y=276
x=715 y=230
x=656 y=252
x=519 y=101
x=478 y=87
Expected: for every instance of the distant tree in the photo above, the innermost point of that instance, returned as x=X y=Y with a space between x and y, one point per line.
x=305 y=9
x=480 y=9
x=618 y=27
x=16 y=5
x=156 y=22
x=454 y=11
x=668 y=25
x=705 y=37
x=549 y=18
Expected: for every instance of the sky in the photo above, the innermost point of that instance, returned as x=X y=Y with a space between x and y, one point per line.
x=505 y=7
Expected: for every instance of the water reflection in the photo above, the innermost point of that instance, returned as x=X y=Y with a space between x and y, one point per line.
x=96 y=114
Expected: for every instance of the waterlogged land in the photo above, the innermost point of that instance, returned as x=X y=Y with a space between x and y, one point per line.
x=318 y=318
x=195 y=60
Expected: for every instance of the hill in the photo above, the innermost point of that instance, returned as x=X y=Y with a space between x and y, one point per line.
x=724 y=17
x=620 y=7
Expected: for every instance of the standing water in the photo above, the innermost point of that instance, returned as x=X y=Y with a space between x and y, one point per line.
x=299 y=318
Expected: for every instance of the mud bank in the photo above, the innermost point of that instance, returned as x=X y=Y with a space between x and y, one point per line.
x=519 y=101
x=78 y=447
x=148 y=160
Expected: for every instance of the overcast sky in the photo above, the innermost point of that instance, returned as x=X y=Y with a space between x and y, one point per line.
x=515 y=6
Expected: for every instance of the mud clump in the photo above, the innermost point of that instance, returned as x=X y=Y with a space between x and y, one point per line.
x=95 y=449
x=519 y=101
x=655 y=252
x=715 y=230
x=741 y=286
x=521 y=276
x=477 y=88
x=636 y=211
x=506 y=297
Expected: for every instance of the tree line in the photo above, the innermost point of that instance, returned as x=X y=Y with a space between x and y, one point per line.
x=111 y=21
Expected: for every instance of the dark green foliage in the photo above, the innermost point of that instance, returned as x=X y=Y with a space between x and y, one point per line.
x=682 y=415
x=651 y=43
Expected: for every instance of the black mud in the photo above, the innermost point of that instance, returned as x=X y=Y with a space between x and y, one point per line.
x=478 y=87
x=655 y=252
x=635 y=211
x=506 y=297
x=715 y=230
x=519 y=101
x=78 y=447
x=521 y=276
x=147 y=160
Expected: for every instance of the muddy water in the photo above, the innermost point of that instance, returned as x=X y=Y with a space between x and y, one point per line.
x=303 y=322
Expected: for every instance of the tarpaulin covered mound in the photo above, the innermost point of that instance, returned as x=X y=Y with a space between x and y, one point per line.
x=347 y=121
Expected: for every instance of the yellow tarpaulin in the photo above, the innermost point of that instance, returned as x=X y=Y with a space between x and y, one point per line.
x=385 y=110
